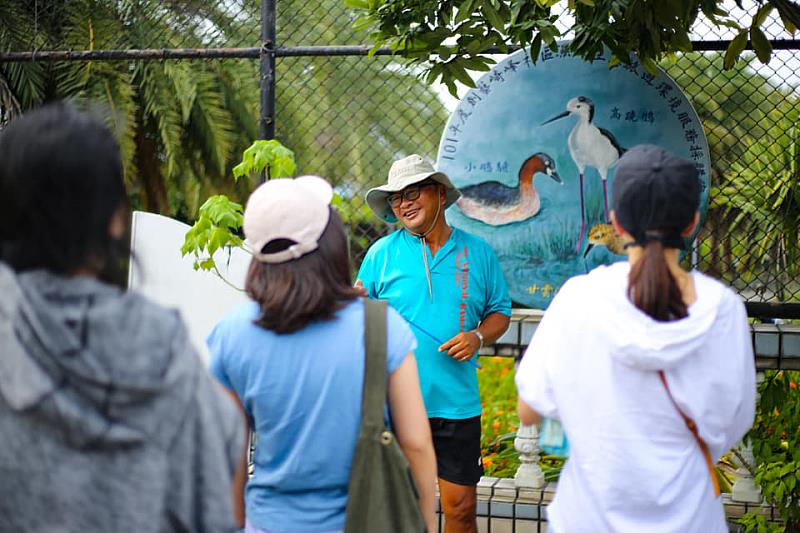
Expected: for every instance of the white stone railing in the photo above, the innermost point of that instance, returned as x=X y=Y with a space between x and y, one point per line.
x=776 y=347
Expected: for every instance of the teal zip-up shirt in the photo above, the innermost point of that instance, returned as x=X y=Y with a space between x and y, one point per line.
x=467 y=285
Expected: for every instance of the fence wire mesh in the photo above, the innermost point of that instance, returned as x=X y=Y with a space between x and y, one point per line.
x=348 y=118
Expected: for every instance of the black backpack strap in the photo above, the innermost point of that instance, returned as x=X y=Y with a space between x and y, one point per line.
x=375 y=376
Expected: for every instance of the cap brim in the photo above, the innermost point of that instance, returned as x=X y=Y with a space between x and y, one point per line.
x=376 y=197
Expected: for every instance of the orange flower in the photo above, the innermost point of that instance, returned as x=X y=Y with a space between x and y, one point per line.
x=792 y=385
x=487 y=461
x=496 y=426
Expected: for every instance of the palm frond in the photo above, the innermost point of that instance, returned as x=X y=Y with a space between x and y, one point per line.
x=212 y=123
x=9 y=106
x=159 y=110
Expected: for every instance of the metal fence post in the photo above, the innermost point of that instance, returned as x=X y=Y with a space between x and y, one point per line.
x=266 y=122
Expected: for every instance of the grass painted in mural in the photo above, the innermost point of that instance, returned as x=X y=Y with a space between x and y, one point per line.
x=557 y=245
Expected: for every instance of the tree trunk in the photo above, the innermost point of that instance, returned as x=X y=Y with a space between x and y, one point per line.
x=154 y=187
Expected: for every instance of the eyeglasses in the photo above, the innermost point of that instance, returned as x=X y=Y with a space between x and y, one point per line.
x=410 y=193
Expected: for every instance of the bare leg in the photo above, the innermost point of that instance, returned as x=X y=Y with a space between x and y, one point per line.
x=458 y=504
x=583 y=218
x=605 y=200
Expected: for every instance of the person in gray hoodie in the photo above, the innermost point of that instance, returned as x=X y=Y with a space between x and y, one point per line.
x=108 y=420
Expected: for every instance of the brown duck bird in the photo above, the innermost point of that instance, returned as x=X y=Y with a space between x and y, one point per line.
x=496 y=204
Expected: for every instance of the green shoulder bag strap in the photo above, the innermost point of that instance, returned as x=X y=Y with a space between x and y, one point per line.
x=382 y=495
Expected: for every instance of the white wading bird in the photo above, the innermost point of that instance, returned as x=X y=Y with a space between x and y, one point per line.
x=589 y=146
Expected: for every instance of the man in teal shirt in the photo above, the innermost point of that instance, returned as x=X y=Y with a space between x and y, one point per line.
x=448 y=285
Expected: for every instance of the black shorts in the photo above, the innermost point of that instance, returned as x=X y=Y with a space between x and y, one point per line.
x=458 y=449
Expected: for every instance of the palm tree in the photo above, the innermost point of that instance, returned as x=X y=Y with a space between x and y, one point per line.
x=737 y=108
x=182 y=124
x=762 y=192
x=178 y=123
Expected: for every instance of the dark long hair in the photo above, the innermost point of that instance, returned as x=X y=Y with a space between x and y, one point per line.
x=652 y=288
x=61 y=179
x=656 y=195
x=313 y=287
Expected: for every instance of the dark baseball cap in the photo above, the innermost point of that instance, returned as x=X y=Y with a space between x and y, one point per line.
x=655 y=194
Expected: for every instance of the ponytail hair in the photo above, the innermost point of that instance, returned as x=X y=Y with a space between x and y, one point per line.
x=652 y=288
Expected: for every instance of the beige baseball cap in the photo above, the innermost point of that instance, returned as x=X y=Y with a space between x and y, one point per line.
x=295 y=211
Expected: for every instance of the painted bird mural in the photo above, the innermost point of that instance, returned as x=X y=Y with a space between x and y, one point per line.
x=589 y=146
x=496 y=204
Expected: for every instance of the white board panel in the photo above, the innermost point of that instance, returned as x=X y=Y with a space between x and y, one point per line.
x=159 y=272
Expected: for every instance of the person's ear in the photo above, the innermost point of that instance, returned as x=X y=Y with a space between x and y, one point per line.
x=692 y=225
x=619 y=230
x=116 y=226
x=442 y=195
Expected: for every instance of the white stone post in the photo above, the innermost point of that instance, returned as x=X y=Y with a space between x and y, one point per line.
x=745 y=488
x=529 y=474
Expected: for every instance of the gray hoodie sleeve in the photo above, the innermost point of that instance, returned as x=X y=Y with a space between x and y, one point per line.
x=204 y=454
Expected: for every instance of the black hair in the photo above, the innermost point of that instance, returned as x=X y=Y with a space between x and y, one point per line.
x=652 y=287
x=313 y=287
x=61 y=176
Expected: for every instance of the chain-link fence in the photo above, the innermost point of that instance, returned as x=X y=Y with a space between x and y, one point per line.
x=183 y=119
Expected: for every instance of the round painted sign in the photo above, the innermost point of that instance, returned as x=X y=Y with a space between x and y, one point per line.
x=533 y=149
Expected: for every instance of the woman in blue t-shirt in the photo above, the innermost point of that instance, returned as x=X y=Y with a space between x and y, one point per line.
x=294 y=357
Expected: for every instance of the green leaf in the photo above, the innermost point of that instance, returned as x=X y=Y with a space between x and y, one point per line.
x=536 y=47
x=447 y=79
x=362 y=22
x=456 y=69
x=476 y=63
x=515 y=9
x=649 y=65
x=761 y=44
x=780 y=491
x=761 y=15
x=206 y=264
x=735 y=49
x=262 y=154
x=464 y=11
x=682 y=41
x=357 y=4
x=492 y=16
x=787 y=23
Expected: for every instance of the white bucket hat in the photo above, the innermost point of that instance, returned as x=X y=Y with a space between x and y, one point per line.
x=295 y=210
x=404 y=172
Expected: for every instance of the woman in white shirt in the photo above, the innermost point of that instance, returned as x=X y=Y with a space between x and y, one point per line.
x=631 y=357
